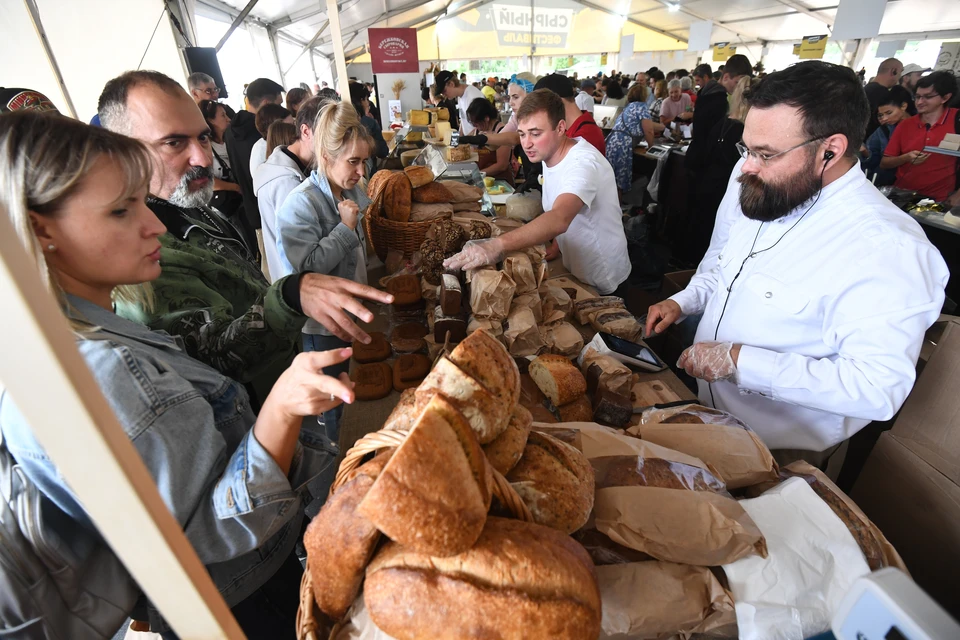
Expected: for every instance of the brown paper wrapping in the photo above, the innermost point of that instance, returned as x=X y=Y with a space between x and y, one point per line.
x=531 y=301
x=517 y=265
x=557 y=305
x=507 y=225
x=605 y=372
x=491 y=293
x=700 y=527
x=562 y=338
x=358 y=625
x=462 y=192
x=659 y=599
x=538 y=260
x=433 y=349
x=420 y=212
x=737 y=454
x=428 y=291
x=522 y=334
x=470 y=273
x=493 y=327
x=577 y=290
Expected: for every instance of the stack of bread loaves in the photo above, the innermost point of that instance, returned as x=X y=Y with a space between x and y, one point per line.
x=413 y=522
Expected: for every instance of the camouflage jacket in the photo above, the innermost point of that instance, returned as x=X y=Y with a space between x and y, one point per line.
x=212 y=294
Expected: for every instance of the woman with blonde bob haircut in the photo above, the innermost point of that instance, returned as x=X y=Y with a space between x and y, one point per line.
x=319 y=226
x=234 y=480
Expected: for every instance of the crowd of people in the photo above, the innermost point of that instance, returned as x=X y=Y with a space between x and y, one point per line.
x=213 y=264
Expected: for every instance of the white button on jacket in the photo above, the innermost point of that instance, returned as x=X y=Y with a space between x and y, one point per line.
x=831 y=318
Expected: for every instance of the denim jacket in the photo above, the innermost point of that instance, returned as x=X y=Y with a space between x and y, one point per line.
x=311 y=237
x=193 y=429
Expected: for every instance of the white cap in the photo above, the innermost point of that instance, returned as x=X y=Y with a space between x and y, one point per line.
x=913 y=68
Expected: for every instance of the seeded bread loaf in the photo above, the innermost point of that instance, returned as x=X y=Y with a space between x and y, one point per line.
x=558 y=378
x=419 y=175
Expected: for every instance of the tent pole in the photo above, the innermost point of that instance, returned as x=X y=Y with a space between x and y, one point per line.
x=272 y=35
x=51 y=59
x=336 y=39
x=309 y=45
x=109 y=478
x=236 y=23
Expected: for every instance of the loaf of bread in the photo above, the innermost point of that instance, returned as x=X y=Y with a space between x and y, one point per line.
x=444 y=327
x=397 y=196
x=483 y=410
x=408 y=337
x=555 y=481
x=485 y=359
x=340 y=541
x=434 y=493
x=577 y=411
x=462 y=192
x=505 y=450
x=372 y=381
x=611 y=408
x=432 y=193
x=558 y=378
x=461 y=153
x=618 y=322
x=451 y=295
x=409 y=370
x=519 y=581
x=634 y=471
x=585 y=309
x=419 y=175
x=377 y=351
x=478 y=230
x=449 y=235
x=405 y=290
x=404 y=415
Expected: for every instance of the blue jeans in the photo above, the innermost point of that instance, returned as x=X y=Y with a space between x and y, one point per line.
x=311 y=342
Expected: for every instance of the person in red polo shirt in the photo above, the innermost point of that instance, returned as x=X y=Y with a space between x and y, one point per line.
x=580 y=124
x=931 y=174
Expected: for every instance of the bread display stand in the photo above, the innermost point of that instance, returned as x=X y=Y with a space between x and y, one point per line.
x=310 y=625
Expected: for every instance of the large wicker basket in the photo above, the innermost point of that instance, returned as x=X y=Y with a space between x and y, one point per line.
x=312 y=624
x=385 y=234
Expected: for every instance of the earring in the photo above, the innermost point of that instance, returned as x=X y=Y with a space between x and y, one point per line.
x=51 y=247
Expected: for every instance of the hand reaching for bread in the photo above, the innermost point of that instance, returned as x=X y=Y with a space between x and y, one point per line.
x=300 y=391
x=328 y=299
x=476 y=253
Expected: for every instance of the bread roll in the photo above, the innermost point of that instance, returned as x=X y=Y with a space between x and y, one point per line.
x=555 y=481
x=505 y=451
x=485 y=359
x=409 y=370
x=339 y=542
x=434 y=494
x=483 y=410
x=558 y=378
x=519 y=581
x=419 y=175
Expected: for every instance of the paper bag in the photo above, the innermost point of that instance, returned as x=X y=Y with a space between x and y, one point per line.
x=556 y=303
x=538 y=259
x=562 y=339
x=690 y=414
x=429 y=292
x=493 y=327
x=357 y=625
x=736 y=453
x=491 y=293
x=667 y=504
x=605 y=372
x=470 y=273
x=654 y=599
x=531 y=301
x=518 y=266
x=522 y=334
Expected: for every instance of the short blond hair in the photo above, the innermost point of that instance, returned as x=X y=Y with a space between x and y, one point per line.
x=43 y=160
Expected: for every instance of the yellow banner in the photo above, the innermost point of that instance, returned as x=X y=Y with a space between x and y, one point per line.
x=722 y=51
x=570 y=61
x=812 y=47
x=603 y=59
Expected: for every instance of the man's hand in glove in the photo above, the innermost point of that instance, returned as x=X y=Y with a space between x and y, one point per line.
x=710 y=361
x=480 y=140
x=476 y=253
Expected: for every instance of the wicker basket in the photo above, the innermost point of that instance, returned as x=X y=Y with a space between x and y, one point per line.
x=312 y=624
x=385 y=234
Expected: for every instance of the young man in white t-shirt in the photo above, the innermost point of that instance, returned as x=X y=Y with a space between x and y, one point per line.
x=581 y=207
x=450 y=87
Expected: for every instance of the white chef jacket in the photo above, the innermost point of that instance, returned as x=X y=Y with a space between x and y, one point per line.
x=831 y=319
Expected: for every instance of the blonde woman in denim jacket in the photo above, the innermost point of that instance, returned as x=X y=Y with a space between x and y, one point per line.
x=235 y=481
x=319 y=226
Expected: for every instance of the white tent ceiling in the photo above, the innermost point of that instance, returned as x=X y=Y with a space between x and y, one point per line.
x=734 y=20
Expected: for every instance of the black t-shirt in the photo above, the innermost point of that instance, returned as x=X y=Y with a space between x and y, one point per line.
x=876 y=94
x=290 y=154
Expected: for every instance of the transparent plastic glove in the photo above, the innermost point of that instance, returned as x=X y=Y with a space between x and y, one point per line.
x=709 y=361
x=476 y=253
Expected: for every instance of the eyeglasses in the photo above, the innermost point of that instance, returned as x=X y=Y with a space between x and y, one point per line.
x=212 y=92
x=929 y=96
x=762 y=158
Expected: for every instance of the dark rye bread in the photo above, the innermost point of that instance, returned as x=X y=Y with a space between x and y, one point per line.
x=377 y=351
x=634 y=471
x=372 y=381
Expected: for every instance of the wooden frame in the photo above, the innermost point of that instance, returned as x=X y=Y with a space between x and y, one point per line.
x=48 y=379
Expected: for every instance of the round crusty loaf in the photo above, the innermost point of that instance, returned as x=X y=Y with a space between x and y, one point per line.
x=520 y=580
x=555 y=480
x=505 y=451
x=404 y=415
x=486 y=413
x=485 y=359
x=434 y=493
x=339 y=542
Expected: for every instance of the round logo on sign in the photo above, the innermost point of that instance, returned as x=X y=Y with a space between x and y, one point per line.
x=394 y=47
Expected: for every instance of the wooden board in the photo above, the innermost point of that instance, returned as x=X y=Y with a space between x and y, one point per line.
x=651 y=392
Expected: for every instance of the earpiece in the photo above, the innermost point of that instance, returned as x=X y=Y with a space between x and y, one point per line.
x=828 y=156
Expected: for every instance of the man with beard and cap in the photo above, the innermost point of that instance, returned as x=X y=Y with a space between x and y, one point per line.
x=815 y=307
x=211 y=291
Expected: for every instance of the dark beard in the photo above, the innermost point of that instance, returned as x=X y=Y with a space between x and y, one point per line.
x=765 y=201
